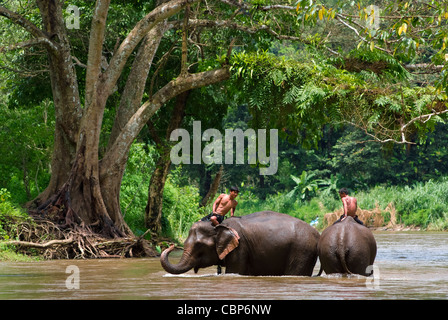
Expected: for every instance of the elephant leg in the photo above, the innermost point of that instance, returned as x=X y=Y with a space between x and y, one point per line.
x=301 y=266
x=236 y=264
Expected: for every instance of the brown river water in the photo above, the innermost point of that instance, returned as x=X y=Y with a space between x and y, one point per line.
x=408 y=265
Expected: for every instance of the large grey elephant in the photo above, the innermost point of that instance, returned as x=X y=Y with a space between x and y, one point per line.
x=347 y=247
x=261 y=243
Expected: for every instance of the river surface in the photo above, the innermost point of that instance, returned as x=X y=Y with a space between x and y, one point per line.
x=408 y=265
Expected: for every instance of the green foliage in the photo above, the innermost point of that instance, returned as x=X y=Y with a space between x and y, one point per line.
x=10 y=216
x=301 y=95
x=405 y=30
x=180 y=203
x=134 y=186
x=309 y=96
x=180 y=209
x=27 y=140
x=306 y=186
x=280 y=202
x=422 y=204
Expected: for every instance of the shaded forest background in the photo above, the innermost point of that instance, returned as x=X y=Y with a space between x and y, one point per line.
x=314 y=92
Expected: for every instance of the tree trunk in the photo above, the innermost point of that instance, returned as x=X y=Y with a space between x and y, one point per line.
x=79 y=201
x=64 y=85
x=153 y=210
x=213 y=188
x=130 y=102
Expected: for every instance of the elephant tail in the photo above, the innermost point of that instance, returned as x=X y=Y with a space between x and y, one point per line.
x=342 y=254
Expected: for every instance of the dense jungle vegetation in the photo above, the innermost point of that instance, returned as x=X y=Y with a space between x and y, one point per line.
x=354 y=106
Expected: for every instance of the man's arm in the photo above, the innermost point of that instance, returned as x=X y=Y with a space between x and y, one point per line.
x=217 y=202
x=232 y=210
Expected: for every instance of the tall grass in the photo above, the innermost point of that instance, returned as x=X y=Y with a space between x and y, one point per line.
x=423 y=204
x=280 y=202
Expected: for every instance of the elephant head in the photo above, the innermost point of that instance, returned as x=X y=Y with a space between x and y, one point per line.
x=205 y=246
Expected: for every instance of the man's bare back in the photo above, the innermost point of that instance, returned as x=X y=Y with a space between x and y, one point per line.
x=350 y=205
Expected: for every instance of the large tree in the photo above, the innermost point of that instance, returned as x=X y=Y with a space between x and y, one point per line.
x=84 y=188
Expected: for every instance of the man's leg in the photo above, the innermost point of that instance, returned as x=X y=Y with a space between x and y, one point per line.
x=207 y=217
x=214 y=220
x=359 y=221
x=339 y=220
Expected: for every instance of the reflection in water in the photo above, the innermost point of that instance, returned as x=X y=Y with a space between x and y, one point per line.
x=411 y=266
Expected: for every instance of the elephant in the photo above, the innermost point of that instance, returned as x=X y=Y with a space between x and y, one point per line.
x=263 y=243
x=347 y=247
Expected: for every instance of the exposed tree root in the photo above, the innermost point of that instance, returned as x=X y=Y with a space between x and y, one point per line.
x=51 y=241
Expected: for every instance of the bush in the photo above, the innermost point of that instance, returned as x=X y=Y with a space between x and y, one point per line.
x=424 y=204
x=10 y=216
x=420 y=205
x=304 y=210
x=134 y=186
x=180 y=209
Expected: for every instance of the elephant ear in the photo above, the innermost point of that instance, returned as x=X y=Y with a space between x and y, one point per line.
x=227 y=240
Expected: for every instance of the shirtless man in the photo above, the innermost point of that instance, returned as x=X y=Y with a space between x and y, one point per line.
x=223 y=204
x=350 y=206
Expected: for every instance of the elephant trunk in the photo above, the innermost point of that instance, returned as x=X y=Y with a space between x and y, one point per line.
x=183 y=266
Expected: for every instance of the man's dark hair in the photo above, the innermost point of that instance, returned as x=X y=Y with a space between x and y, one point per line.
x=234 y=188
x=344 y=191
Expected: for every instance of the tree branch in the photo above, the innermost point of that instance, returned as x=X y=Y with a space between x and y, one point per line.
x=29 y=43
x=123 y=52
x=95 y=48
x=400 y=131
x=338 y=17
x=20 y=20
x=235 y=26
x=118 y=151
x=184 y=67
x=427 y=67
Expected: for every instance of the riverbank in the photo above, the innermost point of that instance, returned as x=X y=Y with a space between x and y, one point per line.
x=421 y=207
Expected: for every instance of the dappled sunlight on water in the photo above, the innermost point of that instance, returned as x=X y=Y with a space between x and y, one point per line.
x=410 y=265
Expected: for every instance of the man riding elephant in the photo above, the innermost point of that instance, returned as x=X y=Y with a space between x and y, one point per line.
x=350 y=206
x=261 y=243
x=223 y=204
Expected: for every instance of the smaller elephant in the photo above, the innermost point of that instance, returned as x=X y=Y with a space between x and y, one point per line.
x=261 y=244
x=346 y=247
